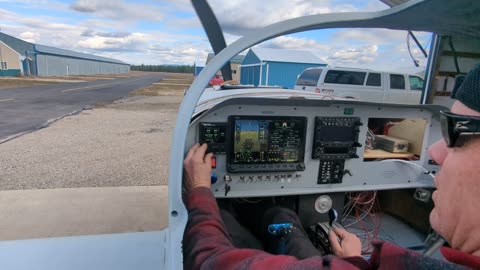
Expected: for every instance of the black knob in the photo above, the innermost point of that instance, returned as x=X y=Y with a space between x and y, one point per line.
x=354 y=156
x=301 y=166
x=357 y=144
x=358 y=123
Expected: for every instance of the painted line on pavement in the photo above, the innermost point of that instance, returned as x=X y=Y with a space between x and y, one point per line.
x=181 y=84
x=98 y=85
x=8 y=99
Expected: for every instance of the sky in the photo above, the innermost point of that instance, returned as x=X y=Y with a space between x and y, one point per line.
x=169 y=32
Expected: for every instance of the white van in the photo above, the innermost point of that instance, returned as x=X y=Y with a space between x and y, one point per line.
x=362 y=84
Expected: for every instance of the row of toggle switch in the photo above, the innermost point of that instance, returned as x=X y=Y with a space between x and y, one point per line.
x=270 y=178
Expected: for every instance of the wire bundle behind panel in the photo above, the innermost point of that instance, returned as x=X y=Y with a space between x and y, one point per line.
x=360 y=207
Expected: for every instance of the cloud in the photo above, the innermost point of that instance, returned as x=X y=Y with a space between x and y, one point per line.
x=85 y=6
x=294 y=43
x=88 y=33
x=181 y=52
x=243 y=16
x=334 y=53
x=125 y=43
x=119 y=10
x=114 y=29
x=114 y=34
x=355 y=55
x=30 y=36
x=92 y=33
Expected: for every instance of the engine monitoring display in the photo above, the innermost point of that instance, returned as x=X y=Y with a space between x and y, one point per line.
x=214 y=135
x=267 y=140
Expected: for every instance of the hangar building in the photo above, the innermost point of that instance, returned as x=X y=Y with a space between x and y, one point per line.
x=20 y=57
x=234 y=65
x=264 y=66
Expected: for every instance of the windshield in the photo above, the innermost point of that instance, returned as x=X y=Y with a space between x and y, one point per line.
x=89 y=93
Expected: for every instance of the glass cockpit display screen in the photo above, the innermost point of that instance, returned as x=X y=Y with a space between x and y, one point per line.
x=264 y=140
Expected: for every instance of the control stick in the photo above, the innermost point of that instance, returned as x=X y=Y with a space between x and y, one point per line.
x=280 y=230
x=332 y=217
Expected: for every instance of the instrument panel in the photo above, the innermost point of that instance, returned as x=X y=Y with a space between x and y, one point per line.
x=271 y=147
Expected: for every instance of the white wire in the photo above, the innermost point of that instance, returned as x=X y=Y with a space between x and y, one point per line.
x=424 y=170
x=350 y=207
x=345 y=215
x=365 y=214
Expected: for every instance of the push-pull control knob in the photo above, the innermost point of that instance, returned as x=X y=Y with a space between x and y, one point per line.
x=213 y=178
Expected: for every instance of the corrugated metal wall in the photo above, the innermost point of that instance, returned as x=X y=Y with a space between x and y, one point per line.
x=250 y=75
x=284 y=74
x=272 y=73
x=53 y=65
x=59 y=62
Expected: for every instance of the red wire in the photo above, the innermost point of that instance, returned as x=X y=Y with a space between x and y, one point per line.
x=373 y=207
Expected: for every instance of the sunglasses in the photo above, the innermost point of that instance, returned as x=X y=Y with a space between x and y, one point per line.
x=457 y=129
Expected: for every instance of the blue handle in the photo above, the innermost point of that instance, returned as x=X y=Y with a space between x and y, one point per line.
x=280 y=229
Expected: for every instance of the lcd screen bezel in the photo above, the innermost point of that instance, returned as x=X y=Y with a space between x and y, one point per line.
x=231 y=137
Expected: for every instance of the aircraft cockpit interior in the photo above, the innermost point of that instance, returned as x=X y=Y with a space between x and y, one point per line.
x=335 y=162
x=367 y=161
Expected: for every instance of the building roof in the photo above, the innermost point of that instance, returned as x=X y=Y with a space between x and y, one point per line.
x=289 y=56
x=237 y=59
x=22 y=45
x=63 y=52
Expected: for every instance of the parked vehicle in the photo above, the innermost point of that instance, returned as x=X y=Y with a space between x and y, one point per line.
x=362 y=84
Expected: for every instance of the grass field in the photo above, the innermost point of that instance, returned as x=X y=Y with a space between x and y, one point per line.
x=173 y=85
x=6 y=83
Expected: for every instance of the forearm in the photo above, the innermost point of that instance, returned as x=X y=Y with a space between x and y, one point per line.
x=207 y=244
x=205 y=235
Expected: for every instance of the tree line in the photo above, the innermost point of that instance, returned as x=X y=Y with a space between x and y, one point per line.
x=163 y=68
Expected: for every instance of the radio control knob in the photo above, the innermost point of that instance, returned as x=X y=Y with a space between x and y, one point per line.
x=301 y=166
x=242 y=178
x=250 y=178
x=260 y=177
